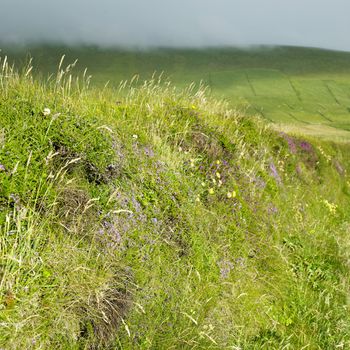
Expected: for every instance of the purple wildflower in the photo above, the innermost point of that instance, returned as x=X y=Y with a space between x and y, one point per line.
x=274 y=172
x=240 y=262
x=136 y=204
x=291 y=143
x=154 y=221
x=272 y=209
x=305 y=146
x=111 y=229
x=149 y=152
x=225 y=268
x=259 y=182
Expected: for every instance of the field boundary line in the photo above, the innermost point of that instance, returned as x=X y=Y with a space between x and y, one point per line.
x=331 y=92
x=325 y=117
x=297 y=93
x=298 y=120
x=250 y=84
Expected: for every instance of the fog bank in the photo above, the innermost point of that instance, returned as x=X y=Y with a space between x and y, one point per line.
x=185 y=23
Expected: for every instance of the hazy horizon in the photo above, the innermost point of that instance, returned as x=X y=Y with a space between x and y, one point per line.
x=181 y=24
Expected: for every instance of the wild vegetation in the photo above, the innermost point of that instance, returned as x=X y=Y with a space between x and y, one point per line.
x=152 y=217
x=304 y=89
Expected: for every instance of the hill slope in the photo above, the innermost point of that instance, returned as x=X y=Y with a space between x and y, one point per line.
x=154 y=218
x=303 y=88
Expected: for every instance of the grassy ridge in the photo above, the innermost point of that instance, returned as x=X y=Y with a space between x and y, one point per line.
x=303 y=87
x=158 y=218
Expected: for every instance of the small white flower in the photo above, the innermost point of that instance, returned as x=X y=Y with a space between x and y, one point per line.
x=135 y=137
x=46 y=112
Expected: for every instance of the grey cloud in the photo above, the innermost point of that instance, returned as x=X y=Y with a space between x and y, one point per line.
x=318 y=23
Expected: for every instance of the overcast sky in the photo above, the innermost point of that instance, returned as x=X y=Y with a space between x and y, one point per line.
x=318 y=23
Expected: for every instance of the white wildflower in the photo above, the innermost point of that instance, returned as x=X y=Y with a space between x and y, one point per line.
x=46 y=112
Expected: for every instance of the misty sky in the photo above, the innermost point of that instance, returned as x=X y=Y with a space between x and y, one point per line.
x=318 y=23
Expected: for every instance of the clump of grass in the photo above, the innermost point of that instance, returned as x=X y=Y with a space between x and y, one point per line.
x=150 y=217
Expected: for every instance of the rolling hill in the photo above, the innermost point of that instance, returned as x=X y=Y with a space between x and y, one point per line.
x=302 y=90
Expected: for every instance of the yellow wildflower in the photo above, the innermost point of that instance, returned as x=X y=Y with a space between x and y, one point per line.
x=232 y=194
x=332 y=207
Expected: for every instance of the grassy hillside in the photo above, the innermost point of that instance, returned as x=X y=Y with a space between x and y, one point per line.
x=303 y=88
x=155 y=218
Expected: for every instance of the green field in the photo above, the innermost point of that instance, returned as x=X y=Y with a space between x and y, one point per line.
x=301 y=89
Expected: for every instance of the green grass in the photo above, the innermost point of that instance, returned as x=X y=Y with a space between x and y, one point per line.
x=290 y=85
x=156 y=218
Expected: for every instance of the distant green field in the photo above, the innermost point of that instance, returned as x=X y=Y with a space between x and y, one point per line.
x=301 y=89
